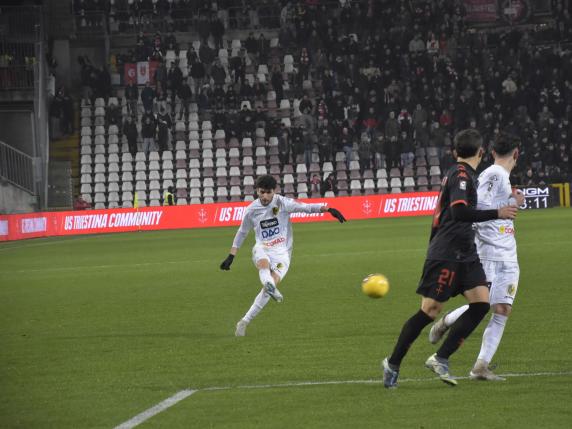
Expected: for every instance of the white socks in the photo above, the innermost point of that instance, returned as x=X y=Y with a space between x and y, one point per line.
x=452 y=317
x=262 y=298
x=492 y=337
x=265 y=276
x=259 y=302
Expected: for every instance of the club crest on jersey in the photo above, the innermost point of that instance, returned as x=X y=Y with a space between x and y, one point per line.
x=511 y=289
x=279 y=265
x=275 y=210
x=463 y=185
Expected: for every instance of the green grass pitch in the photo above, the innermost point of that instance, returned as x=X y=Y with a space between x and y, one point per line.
x=97 y=329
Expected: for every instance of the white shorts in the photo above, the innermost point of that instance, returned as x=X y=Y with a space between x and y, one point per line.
x=503 y=278
x=279 y=261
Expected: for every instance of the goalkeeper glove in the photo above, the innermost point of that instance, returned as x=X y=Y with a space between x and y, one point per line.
x=227 y=262
x=337 y=214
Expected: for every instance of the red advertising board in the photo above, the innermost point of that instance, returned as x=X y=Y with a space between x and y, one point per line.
x=481 y=10
x=49 y=224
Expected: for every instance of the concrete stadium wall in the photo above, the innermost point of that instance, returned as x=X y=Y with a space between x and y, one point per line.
x=15 y=200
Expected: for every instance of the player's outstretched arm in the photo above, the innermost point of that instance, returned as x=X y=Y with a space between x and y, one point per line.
x=335 y=213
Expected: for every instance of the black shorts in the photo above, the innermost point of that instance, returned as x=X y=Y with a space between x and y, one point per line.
x=442 y=280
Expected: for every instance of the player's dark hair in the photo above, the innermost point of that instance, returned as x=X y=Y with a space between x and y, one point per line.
x=266 y=182
x=505 y=143
x=467 y=143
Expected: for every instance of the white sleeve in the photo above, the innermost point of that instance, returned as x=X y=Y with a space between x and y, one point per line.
x=292 y=206
x=243 y=230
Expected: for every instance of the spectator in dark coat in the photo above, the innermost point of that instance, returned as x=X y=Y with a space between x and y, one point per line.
x=185 y=94
x=174 y=80
x=132 y=96
x=164 y=124
x=284 y=144
x=147 y=97
x=148 y=133
x=329 y=185
x=217 y=30
x=130 y=132
x=218 y=73
x=198 y=74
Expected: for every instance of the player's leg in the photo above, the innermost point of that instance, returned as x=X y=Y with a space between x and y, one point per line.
x=441 y=326
x=467 y=278
x=503 y=291
x=413 y=327
x=430 y=308
x=472 y=281
x=460 y=330
x=262 y=262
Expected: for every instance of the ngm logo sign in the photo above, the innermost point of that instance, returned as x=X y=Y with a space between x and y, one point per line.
x=536 y=192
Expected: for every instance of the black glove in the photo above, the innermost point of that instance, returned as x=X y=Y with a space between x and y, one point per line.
x=227 y=262
x=336 y=213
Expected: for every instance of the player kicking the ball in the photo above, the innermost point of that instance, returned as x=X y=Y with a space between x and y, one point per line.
x=269 y=216
x=452 y=265
x=496 y=247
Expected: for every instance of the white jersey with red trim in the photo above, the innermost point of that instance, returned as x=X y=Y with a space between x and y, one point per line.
x=271 y=223
x=495 y=238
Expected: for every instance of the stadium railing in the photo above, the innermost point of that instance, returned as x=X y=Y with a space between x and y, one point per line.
x=16 y=167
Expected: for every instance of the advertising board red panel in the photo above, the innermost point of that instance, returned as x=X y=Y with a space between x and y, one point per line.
x=481 y=10
x=49 y=224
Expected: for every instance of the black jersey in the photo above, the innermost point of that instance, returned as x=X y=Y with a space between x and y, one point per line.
x=453 y=240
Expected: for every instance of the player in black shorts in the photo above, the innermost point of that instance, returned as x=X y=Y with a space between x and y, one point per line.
x=452 y=266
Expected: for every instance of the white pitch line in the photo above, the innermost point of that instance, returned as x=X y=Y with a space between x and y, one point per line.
x=371 y=381
x=161 y=406
x=179 y=396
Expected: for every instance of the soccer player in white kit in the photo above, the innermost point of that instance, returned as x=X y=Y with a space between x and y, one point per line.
x=269 y=216
x=496 y=247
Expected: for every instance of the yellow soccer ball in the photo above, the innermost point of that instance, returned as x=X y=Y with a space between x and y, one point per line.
x=375 y=285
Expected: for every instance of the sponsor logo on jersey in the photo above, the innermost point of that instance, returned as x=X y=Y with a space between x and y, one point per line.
x=463 y=185
x=275 y=242
x=268 y=223
x=269 y=233
x=506 y=229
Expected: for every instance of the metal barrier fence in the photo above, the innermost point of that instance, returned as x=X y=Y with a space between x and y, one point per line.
x=16 y=78
x=16 y=167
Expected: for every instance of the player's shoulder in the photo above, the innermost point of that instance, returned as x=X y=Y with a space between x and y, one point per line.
x=280 y=200
x=493 y=173
x=459 y=171
x=252 y=206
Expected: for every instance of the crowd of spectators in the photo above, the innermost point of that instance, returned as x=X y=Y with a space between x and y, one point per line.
x=178 y=15
x=380 y=78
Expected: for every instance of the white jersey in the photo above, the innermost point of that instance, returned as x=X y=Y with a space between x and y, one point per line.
x=271 y=223
x=495 y=238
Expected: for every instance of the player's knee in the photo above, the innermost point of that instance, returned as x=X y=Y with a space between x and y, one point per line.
x=431 y=308
x=502 y=309
x=480 y=309
x=263 y=264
